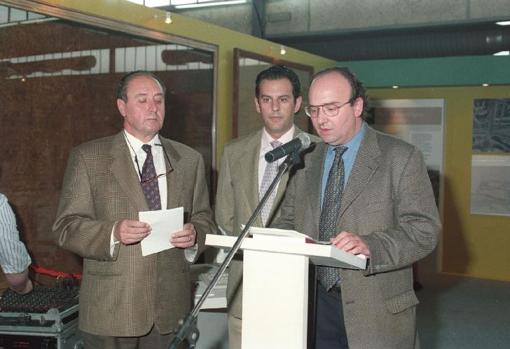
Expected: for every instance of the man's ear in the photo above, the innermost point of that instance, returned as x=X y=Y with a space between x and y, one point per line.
x=298 y=103
x=358 y=106
x=121 y=105
x=257 y=106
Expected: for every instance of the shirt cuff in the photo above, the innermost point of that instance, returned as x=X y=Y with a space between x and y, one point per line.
x=190 y=253
x=112 y=241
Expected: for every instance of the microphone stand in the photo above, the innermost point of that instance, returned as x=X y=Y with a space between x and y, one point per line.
x=188 y=327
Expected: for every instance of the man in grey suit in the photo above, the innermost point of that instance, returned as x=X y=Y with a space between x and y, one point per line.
x=370 y=193
x=128 y=300
x=244 y=173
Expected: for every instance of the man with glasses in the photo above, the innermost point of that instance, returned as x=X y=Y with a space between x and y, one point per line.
x=245 y=175
x=367 y=193
x=128 y=300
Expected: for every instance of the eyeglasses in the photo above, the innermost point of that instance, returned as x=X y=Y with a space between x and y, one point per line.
x=156 y=177
x=329 y=109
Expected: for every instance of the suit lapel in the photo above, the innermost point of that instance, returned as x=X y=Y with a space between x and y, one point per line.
x=124 y=172
x=314 y=169
x=282 y=186
x=365 y=165
x=174 y=179
x=246 y=167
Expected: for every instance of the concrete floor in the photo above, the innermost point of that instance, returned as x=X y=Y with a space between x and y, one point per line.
x=458 y=312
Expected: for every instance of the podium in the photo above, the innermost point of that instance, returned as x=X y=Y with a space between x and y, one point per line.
x=275 y=284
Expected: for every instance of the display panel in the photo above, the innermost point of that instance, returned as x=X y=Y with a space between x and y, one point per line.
x=58 y=78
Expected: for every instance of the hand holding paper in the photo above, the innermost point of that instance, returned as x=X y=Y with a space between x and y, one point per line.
x=163 y=223
x=129 y=231
x=184 y=238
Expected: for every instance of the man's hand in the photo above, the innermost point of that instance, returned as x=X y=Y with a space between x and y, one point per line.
x=351 y=243
x=184 y=238
x=130 y=232
x=20 y=282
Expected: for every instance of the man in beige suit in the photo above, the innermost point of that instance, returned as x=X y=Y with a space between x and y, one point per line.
x=243 y=169
x=371 y=193
x=128 y=300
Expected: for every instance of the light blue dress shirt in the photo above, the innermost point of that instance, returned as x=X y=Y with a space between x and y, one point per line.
x=349 y=156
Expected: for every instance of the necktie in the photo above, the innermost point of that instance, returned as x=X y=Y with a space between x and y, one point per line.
x=269 y=175
x=149 y=181
x=328 y=276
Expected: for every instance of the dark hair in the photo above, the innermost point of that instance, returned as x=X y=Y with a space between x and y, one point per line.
x=357 y=88
x=124 y=82
x=277 y=72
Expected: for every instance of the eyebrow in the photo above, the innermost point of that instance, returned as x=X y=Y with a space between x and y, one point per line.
x=143 y=94
x=276 y=96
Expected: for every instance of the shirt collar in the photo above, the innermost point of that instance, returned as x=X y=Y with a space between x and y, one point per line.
x=265 y=144
x=354 y=143
x=137 y=144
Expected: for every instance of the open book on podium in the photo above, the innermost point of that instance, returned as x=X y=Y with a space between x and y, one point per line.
x=319 y=252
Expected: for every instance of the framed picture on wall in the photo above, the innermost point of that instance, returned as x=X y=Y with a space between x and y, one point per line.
x=490 y=162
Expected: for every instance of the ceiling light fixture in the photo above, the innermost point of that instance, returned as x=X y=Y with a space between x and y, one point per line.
x=210 y=3
x=283 y=51
x=394 y=86
x=485 y=85
x=502 y=53
x=168 y=18
x=503 y=23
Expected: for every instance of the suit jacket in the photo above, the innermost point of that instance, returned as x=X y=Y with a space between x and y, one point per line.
x=388 y=200
x=125 y=294
x=237 y=197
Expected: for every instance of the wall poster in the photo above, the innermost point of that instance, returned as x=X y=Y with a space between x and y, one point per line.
x=419 y=122
x=490 y=162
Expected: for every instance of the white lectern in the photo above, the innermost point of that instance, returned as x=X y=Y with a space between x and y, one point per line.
x=275 y=284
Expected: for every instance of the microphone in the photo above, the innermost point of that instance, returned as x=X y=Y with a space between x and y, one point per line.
x=301 y=142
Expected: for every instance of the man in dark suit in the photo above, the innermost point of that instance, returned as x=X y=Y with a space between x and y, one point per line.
x=128 y=300
x=244 y=172
x=367 y=193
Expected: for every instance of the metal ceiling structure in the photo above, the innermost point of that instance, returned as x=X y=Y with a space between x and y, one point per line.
x=418 y=42
x=346 y=30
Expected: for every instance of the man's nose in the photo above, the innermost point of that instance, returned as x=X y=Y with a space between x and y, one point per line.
x=321 y=117
x=152 y=105
x=275 y=105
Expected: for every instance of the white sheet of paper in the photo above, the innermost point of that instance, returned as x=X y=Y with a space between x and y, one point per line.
x=163 y=223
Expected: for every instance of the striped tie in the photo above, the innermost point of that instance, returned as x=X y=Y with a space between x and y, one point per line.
x=267 y=179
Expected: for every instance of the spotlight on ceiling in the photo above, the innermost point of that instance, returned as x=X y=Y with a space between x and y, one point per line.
x=168 y=18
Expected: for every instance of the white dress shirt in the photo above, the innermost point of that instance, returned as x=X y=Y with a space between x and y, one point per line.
x=136 y=151
x=265 y=146
x=138 y=154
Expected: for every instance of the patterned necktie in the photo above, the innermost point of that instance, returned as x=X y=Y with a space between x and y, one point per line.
x=269 y=175
x=149 y=181
x=328 y=276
